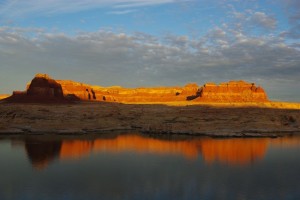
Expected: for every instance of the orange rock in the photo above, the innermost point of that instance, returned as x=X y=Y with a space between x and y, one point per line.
x=80 y=90
x=42 y=89
x=43 y=85
x=233 y=91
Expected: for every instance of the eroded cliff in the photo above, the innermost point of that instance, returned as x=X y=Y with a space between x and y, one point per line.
x=233 y=91
x=44 y=88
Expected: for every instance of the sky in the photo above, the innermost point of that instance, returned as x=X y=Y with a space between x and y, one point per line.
x=146 y=43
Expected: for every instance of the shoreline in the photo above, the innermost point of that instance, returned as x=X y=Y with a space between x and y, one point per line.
x=268 y=104
x=213 y=120
x=70 y=132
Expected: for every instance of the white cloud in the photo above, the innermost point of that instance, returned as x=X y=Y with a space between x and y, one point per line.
x=106 y=58
x=253 y=20
x=263 y=20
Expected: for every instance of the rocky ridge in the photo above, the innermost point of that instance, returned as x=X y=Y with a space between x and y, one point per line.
x=233 y=91
x=45 y=89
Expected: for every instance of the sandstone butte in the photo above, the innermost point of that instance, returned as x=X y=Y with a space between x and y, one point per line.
x=42 y=89
x=45 y=89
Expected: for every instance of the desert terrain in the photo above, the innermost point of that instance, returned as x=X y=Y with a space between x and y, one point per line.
x=102 y=117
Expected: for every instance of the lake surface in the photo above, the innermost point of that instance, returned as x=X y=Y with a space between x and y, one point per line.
x=132 y=166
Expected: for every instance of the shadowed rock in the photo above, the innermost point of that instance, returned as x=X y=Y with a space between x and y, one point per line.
x=42 y=89
x=43 y=85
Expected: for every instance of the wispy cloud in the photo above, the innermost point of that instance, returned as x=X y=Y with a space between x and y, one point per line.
x=13 y=8
x=122 y=12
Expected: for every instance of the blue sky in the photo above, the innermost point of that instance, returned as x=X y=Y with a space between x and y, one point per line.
x=152 y=42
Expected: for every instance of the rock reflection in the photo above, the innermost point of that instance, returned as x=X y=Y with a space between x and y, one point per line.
x=232 y=151
x=41 y=153
x=134 y=143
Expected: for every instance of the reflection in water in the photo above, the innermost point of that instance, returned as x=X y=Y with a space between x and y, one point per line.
x=139 y=167
x=40 y=153
x=232 y=151
x=134 y=143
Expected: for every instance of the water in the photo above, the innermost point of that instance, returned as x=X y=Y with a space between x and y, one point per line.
x=131 y=166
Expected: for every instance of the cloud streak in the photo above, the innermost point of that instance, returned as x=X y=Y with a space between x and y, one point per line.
x=16 y=8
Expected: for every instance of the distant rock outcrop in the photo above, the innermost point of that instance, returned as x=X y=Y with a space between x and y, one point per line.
x=119 y=94
x=233 y=91
x=80 y=90
x=45 y=89
x=42 y=89
x=44 y=85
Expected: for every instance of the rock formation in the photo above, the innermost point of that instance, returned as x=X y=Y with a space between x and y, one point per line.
x=119 y=94
x=43 y=85
x=44 y=88
x=233 y=91
x=80 y=90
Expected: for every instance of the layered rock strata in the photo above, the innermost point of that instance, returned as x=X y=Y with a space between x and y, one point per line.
x=44 y=88
x=233 y=91
x=120 y=94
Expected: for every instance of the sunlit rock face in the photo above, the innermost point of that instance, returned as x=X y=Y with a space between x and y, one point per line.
x=80 y=90
x=232 y=91
x=43 y=85
x=120 y=94
x=158 y=94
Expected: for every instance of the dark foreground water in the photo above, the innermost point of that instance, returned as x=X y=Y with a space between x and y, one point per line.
x=135 y=167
